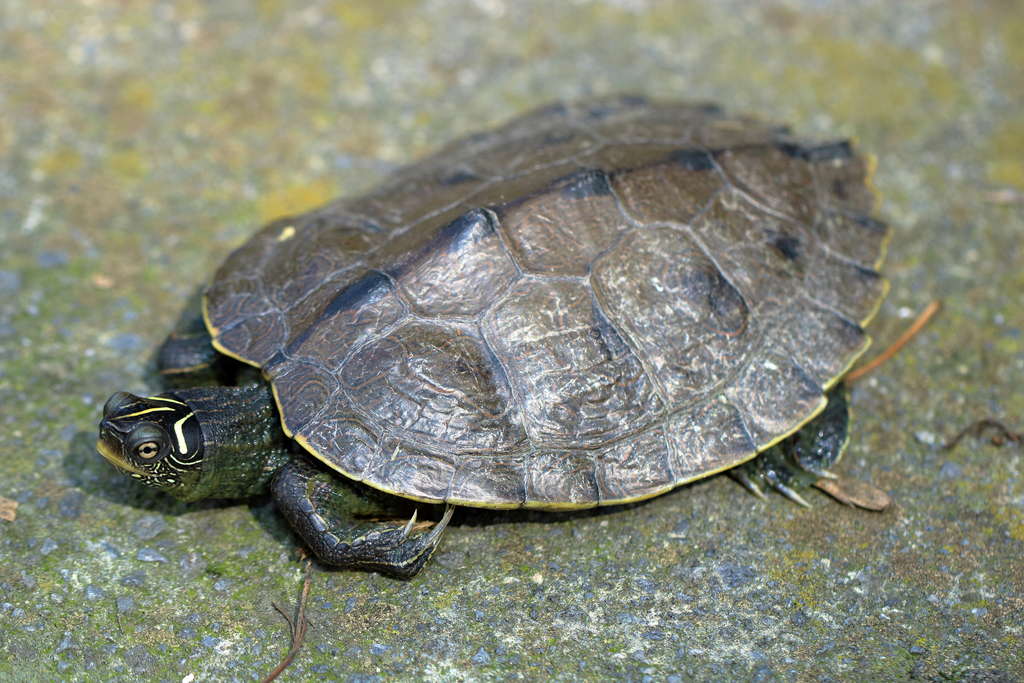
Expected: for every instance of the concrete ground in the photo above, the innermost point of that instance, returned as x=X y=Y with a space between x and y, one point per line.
x=141 y=141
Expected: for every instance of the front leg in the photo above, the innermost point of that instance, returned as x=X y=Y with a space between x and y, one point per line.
x=330 y=514
x=187 y=359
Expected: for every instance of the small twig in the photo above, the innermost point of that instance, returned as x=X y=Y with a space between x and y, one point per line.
x=978 y=427
x=117 y=615
x=297 y=627
x=926 y=315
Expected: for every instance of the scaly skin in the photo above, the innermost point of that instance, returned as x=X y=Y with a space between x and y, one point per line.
x=227 y=442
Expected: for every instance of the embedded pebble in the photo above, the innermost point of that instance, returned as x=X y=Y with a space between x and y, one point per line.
x=125 y=342
x=149 y=555
x=192 y=565
x=10 y=282
x=135 y=580
x=735 y=577
x=51 y=259
x=110 y=549
x=139 y=660
x=71 y=504
x=149 y=526
x=68 y=643
x=950 y=470
x=926 y=437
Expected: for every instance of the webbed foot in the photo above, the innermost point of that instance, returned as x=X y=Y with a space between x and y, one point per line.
x=330 y=514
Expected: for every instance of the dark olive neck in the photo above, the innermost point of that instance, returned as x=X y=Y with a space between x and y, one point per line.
x=243 y=442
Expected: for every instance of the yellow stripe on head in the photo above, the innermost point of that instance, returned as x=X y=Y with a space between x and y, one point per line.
x=143 y=412
x=182 y=446
x=164 y=398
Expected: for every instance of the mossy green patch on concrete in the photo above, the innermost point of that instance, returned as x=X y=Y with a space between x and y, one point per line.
x=1004 y=166
x=854 y=75
x=294 y=200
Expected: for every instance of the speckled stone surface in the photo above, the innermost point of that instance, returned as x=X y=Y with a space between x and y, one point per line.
x=141 y=141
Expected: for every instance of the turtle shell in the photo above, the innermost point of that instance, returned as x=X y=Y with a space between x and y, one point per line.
x=591 y=305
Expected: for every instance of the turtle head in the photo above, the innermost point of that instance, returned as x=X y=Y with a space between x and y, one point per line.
x=156 y=440
x=204 y=442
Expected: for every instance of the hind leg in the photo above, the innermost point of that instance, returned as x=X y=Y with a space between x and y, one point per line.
x=804 y=458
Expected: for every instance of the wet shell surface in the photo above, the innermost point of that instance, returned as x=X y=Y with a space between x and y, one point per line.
x=590 y=305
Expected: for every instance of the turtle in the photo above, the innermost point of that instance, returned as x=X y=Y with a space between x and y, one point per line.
x=591 y=305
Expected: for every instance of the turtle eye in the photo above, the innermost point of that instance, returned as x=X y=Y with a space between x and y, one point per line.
x=147 y=443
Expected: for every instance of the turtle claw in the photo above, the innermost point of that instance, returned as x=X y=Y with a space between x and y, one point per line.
x=740 y=475
x=755 y=473
x=404 y=558
x=387 y=549
x=789 y=493
x=409 y=526
x=819 y=472
x=435 y=534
